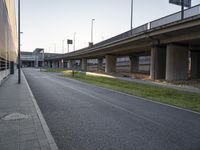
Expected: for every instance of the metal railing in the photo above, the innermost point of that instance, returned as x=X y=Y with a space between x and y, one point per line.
x=124 y=35
x=191 y=12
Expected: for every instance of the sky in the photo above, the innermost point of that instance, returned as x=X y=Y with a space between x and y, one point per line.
x=46 y=23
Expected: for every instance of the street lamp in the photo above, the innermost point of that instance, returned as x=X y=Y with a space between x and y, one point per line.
x=19 y=51
x=131 y=16
x=74 y=40
x=182 y=9
x=92 y=23
x=63 y=46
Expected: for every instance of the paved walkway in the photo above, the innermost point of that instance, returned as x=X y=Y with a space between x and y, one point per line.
x=22 y=126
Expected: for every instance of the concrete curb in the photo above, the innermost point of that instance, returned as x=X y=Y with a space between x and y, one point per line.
x=50 y=139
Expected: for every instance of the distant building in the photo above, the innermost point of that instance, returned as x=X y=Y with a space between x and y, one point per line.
x=35 y=58
x=8 y=37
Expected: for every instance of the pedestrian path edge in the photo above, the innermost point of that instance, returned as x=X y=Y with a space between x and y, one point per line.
x=46 y=129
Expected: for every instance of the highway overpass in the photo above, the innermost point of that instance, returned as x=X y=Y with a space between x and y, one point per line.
x=172 y=44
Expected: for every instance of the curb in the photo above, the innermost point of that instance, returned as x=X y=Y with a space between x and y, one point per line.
x=50 y=139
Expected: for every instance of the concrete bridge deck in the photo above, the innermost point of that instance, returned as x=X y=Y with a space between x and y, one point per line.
x=172 y=43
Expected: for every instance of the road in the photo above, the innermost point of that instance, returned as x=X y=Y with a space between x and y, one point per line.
x=85 y=117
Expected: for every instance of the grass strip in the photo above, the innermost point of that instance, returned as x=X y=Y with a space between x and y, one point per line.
x=187 y=100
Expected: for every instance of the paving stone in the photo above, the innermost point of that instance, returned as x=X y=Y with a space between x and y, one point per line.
x=10 y=146
x=30 y=145
x=28 y=137
x=21 y=128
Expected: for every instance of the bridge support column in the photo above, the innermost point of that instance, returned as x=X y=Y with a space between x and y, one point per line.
x=110 y=63
x=84 y=64
x=70 y=64
x=61 y=64
x=177 y=62
x=53 y=64
x=195 y=65
x=48 y=64
x=158 y=63
x=99 y=64
x=134 y=64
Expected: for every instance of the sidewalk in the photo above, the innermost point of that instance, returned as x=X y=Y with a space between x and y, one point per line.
x=22 y=126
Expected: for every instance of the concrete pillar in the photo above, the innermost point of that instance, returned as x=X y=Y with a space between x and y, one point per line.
x=61 y=64
x=195 y=65
x=99 y=64
x=134 y=63
x=158 y=62
x=49 y=64
x=177 y=62
x=53 y=64
x=110 y=64
x=84 y=64
x=57 y=64
x=70 y=64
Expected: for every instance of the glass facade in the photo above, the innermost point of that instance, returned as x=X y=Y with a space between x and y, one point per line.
x=8 y=36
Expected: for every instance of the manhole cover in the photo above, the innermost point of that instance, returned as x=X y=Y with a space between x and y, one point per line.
x=15 y=116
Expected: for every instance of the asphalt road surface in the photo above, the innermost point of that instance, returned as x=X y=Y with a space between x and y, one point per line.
x=85 y=117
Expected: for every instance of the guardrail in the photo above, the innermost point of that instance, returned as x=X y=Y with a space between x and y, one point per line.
x=124 y=35
x=190 y=12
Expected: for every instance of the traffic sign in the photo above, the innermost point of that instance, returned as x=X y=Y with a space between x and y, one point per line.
x=69 y=42
x=186 y=3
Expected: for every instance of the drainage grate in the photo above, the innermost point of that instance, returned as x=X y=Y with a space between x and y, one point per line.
x=15 y=116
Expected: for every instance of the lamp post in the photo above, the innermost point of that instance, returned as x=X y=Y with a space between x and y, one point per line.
x=19 y=50
x=92 y=23
x=73 y=67
x=63 y=46
x=182 y=9
x=74 y=40
x=131 y=16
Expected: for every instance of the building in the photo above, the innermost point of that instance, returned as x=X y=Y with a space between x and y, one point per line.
x=8 y=37
x=35 y=58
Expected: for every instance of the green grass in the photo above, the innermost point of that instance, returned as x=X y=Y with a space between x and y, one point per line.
x=174 y=97
x=54 y=70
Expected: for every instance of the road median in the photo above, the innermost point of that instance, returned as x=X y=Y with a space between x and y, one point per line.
x=186 y=100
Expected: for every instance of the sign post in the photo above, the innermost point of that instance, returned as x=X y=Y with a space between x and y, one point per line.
x=182 y=3
x=68 y=43
x=71 y=42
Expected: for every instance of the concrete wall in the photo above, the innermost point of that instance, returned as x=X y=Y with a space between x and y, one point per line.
x=8 y=36
x=134 y=64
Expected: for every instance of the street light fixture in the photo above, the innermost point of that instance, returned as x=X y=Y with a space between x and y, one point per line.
x=74 y=40
x=131 y=16
x=63 y=46
x=182 y=9
x=92 y=23
x=19 y=50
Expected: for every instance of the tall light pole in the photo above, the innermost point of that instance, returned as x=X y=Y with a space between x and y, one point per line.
x=131 y=16
x=182 y=9
x=63 y=46
x=19 y=50
x=74 y=40
x=92 y=23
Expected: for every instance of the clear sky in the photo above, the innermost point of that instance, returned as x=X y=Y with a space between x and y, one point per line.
x=45 y=23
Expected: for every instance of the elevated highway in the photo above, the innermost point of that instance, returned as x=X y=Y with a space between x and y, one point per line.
x=173 y=45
